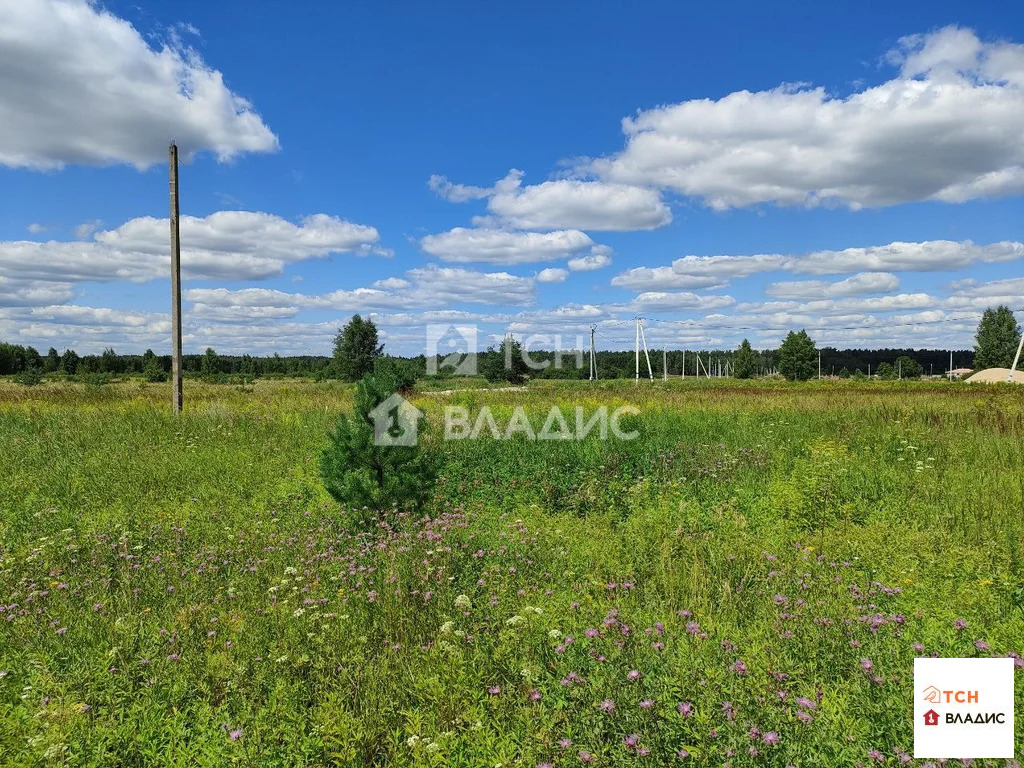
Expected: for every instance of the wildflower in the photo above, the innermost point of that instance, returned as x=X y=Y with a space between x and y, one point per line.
x=494 y=690
x=447 y=628
x=981 y=645
x=632 y=740
x=607 y=706
x=959 y=625
x=866 y=665
x=586 y=758
x=463 y=602
x=874 y=754
x=646 y=703
x=554 y=634
x=682 y=754
x=771 y=738
x=592 y=633
x=805 y=703
x=545 y=765
x=633 y=675
x=236 y=734
x=739 y=667
x=685 y=708
x=535 y=695
x=565 y=743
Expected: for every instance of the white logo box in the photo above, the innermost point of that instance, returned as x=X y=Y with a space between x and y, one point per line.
x=971 y=703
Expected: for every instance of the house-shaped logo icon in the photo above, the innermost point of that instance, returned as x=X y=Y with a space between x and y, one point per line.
x=452 y=349
x=395 y=422
x=932 y=695
x=931 y=717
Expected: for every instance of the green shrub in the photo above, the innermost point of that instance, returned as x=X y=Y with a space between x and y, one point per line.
x=30 y=377
x=363 y=474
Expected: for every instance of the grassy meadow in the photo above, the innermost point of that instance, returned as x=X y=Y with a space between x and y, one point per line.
x=745 y=583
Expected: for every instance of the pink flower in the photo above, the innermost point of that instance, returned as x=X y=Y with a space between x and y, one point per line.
x=771 y=738
x=633 y=675
x=494 y=690
x=646 y=703
x=607 y=706
x=236 y=734
x=685 y=708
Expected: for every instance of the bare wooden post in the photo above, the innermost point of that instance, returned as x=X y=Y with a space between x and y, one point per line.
x=177 y=393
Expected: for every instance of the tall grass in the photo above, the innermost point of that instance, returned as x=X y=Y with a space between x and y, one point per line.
x=747 y=582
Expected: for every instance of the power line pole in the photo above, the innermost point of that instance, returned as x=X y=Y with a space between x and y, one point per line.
x=177 y=392
x=684 y=363
x=819 y=366
x=1016 y=359
x=647 y=356
x=664 y=365
x=593 y=360
x=951 y=365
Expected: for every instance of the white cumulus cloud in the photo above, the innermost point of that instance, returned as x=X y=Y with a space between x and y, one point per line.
x=80 y=85
x=946 y=127
x=564 y=203
x=861 y=284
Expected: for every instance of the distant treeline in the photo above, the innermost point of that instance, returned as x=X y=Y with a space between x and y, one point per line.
x=15 y=359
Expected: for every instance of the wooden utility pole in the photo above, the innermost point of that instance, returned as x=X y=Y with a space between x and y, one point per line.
x=177 y=393
x=593 y=361
x=664 y=365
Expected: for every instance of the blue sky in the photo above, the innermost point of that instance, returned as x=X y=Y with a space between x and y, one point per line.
x=856 y=171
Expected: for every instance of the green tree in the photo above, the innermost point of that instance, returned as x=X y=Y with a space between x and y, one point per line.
x=907 y=367
x=997 y=339
x=886 y=371
x=10 y=358
x=152 y=369
x=798 y=356
x=362 y=474
x=69 y=362
x=32 y=358
x=210 y=366
x=356 y=349
x=745 y=364
x=507 y=363
x=109 y=362
x=401 y=373
x=844 y=373
x=52 y=362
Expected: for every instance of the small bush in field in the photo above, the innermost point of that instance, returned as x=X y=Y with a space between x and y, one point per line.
x=30 y=377
x=359 y=473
